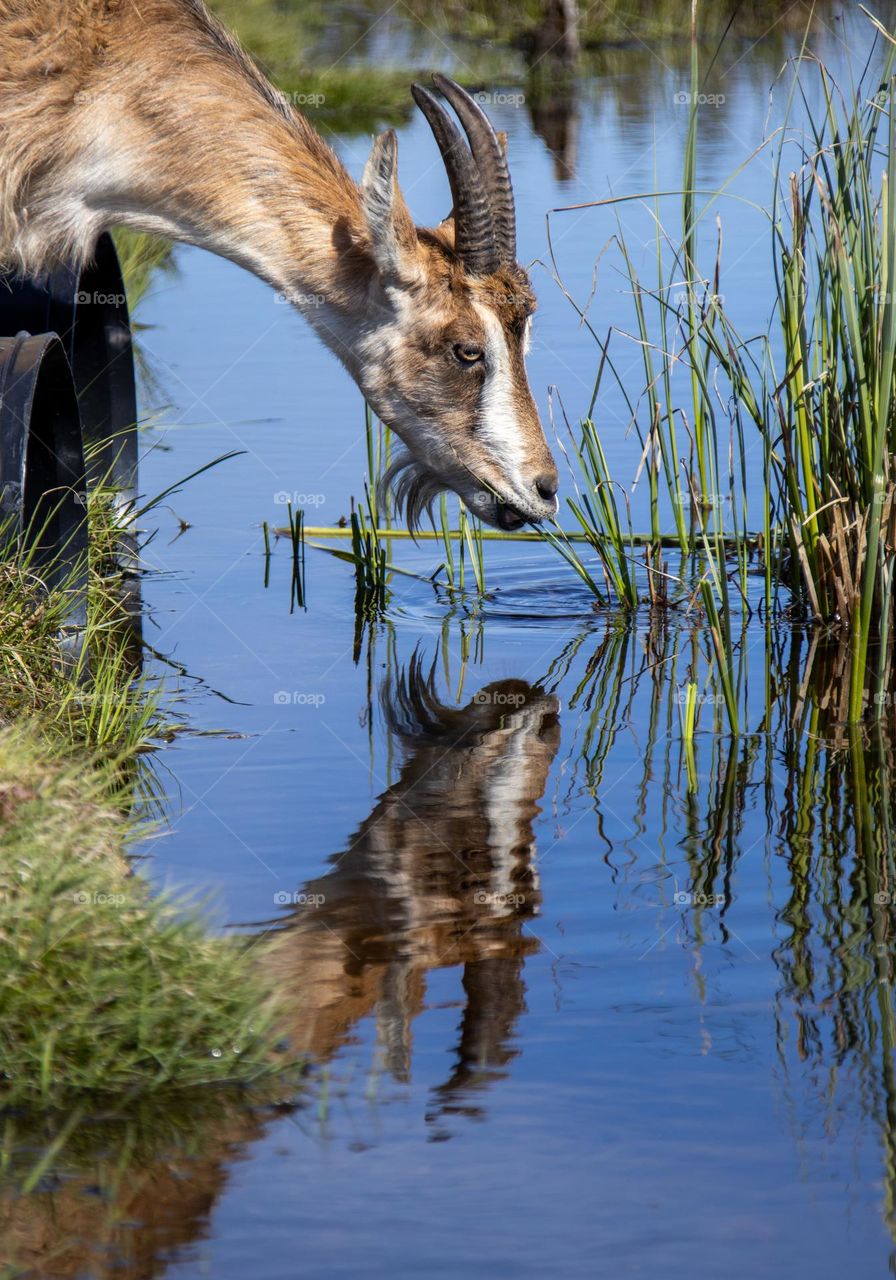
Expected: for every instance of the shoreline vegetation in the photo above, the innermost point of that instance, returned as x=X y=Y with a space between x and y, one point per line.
x=356 y=87
x=108 y=990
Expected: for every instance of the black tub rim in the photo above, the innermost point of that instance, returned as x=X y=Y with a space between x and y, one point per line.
x=43 y=497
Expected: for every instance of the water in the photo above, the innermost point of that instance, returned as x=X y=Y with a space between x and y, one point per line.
x=567 y=1014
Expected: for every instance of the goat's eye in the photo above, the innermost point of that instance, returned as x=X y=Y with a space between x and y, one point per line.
x=468 y=352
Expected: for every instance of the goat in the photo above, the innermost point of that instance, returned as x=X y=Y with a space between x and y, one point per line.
x=148 y=114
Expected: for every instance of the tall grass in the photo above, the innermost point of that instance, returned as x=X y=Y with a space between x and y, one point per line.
x=78 y=688
x=836 y=398
x=819 y=388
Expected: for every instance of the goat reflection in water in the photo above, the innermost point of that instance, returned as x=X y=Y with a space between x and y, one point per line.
x=441 y=873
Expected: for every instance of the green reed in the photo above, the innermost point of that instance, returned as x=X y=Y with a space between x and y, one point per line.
x=819 y=387
x=370 y=558
x=371 y=532
x=469 y=539
x=369 y=552
x=817 y=390
x=297 y=546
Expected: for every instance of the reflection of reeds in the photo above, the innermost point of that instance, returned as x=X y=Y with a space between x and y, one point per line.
x=839 y=962
x=297 y=545
x=798 y=790
x=143 y=258
x=810 y=794
x=609 y=26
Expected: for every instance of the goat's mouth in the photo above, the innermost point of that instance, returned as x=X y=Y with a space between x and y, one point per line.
x=508 y=518
x=415 y=487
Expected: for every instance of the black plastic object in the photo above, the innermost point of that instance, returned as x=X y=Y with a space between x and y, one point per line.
x=89 y=311
x=43 y=498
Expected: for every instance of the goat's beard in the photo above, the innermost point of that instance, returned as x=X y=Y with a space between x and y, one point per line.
x=413 y=488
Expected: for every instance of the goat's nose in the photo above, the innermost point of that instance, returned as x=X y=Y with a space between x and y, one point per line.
x=547 y=485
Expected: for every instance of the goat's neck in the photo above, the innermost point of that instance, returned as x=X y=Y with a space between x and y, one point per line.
x=234 y=173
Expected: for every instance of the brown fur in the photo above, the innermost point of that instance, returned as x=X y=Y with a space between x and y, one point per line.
x=161 y=82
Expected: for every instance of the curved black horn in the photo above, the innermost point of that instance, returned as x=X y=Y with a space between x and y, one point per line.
x=474 y=227
x=490 y=160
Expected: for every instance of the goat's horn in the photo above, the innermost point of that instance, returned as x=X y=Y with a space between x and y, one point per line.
x=490 y=160
x=474 y=227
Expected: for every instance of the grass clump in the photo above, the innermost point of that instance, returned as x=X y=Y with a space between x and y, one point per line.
x=76 y=689
x=77 y=684
x=104 y=987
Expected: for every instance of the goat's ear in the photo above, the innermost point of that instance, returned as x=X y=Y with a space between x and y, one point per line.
x=390 y=227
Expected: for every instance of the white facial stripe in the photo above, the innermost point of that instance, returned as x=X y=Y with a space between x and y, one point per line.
x=527 y=336
x=499 y=424
x=508 y=794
